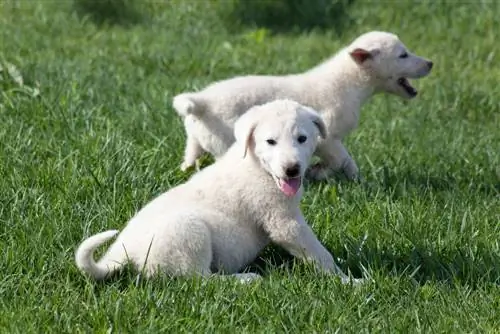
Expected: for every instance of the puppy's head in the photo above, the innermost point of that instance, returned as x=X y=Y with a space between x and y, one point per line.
x=389 y=63
x=282 y=136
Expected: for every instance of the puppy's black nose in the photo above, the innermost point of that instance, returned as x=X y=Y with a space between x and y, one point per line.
x=293 y=171
x=430 y=64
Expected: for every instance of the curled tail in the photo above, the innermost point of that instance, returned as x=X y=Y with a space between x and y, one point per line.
x=188 y=104
x=84 y=256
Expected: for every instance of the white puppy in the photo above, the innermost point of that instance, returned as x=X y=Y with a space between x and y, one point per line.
x=221 y=218
x=338 y=88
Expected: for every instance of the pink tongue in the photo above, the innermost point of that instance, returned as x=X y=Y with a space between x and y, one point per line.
x=290 y=187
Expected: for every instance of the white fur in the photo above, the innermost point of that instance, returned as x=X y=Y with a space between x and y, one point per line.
x=337 y=88
x=220 y=219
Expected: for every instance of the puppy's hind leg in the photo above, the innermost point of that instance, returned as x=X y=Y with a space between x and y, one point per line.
x=334 y=157
x=181 y=249
x=192 y=153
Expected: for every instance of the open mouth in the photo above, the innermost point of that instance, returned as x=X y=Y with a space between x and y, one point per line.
x=403 y=82
x=289 y=186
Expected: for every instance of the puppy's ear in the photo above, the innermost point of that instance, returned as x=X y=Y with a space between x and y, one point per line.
x=317 y=120
x=244 y=128
x=360 y=55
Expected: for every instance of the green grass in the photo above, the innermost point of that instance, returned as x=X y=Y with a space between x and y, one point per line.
x=91 y=137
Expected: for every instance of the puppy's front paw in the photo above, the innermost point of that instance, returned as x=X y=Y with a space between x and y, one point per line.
x=350 y=169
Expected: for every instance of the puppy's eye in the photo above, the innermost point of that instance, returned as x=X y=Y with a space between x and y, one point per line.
x=271 y=142
x=302 y=139
x=404 y=55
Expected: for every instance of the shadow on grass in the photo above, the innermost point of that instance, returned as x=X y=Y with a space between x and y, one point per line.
x=461 y=265
x=419 y=264
x=399 y=184
x=113 y=12
x=290 y=15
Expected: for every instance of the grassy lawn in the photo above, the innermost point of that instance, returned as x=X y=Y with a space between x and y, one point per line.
x=91 y=136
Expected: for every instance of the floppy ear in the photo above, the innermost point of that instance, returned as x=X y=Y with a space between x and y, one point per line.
x=361 y=55
x=244 y=127
x=317 y=120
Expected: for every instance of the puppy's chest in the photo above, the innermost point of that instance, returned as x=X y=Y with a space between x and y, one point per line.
x=259 y=211
x=254 y=201
x=266 y=212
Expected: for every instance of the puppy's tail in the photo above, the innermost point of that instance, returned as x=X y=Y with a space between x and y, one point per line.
x=84 y=256
x=188 y=104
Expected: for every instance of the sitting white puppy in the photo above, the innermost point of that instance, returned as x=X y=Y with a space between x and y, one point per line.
x=338 y=88
x=220 y=219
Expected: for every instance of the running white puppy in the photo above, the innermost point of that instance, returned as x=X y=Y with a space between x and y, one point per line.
x=375 y=62
x=221 y=218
